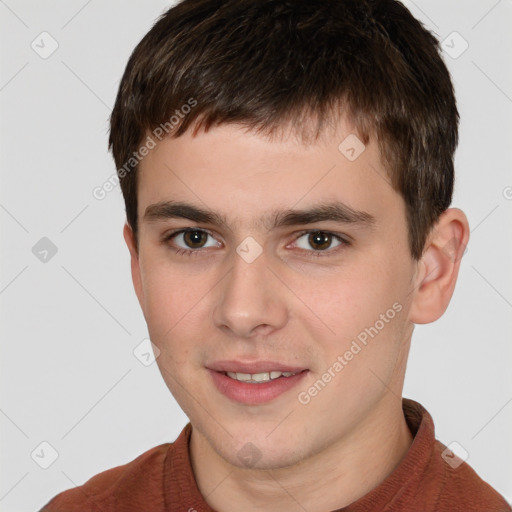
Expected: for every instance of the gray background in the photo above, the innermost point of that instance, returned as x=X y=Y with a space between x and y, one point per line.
x=70 y=324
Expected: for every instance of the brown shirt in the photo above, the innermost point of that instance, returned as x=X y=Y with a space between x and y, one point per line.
x=161 y=480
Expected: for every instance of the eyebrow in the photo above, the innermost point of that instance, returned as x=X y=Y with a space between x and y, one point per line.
x=333 y=211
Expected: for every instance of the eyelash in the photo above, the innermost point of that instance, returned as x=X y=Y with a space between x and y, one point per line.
x=314 y=254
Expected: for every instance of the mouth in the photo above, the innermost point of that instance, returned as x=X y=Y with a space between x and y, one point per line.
x=257 y=378
x=253 y=367
x=254 y=383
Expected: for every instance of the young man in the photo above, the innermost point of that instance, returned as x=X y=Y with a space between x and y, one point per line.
x=287 y=170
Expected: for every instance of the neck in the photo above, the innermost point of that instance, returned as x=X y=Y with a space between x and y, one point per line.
x=334 y=478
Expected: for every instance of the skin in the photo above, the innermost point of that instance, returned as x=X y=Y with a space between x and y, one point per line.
x=286 y=306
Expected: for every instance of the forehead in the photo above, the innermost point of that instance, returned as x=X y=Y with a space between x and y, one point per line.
x=231 y=174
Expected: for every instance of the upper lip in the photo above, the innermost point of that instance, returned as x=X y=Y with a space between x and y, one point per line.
x=253 y=367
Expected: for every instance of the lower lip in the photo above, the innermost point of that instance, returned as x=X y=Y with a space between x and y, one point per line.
x=257 y=393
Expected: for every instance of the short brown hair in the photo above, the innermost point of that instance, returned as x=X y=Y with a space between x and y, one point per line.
x=264 y=63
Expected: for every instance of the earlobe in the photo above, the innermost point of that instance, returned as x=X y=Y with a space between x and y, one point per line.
x=129 y=238
x=439 y=267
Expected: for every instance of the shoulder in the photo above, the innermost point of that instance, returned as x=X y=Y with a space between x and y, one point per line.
x=137 y=480
x=461 y=488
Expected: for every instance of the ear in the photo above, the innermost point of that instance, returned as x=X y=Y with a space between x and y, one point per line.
x=129 y=238
x=438 y=268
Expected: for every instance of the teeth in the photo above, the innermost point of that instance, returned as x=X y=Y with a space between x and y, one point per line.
x=242 y=376
x=258 y=377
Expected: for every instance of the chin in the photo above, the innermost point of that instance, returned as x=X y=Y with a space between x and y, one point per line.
x=260 y=452
x=251 y=458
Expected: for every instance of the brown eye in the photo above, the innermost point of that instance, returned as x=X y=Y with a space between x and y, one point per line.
x=195 y=239
x=320 y=243
x=190 y=241
x=320 y=240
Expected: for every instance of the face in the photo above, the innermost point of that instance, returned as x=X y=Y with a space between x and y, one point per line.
x=259 y=286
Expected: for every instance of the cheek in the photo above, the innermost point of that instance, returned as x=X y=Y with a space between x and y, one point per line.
x=175 y=302
x=365 y=310
x=172 y=309
x=351 y=299
x=167 y=296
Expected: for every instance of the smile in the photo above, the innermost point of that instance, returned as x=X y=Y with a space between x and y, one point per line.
x=255 y=388
x=258 y=377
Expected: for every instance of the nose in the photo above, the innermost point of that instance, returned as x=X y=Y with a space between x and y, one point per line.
x=250 y=300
